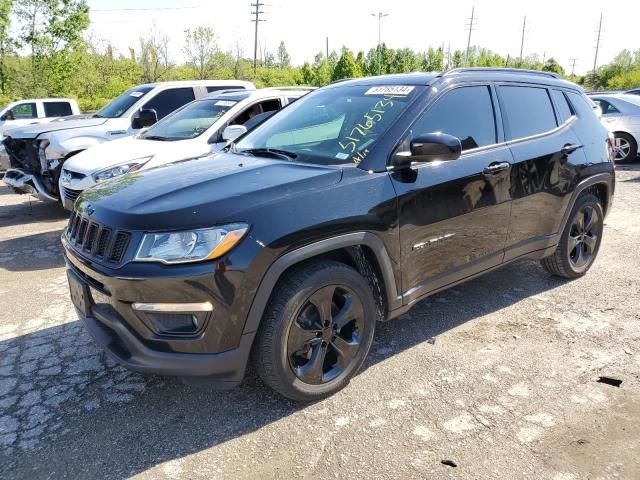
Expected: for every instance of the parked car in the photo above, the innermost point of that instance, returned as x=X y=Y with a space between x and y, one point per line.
x=621 y=116
x=635 y=91
x=29 y=112
x=347 y=207
x=203 y=126
x=37 y=152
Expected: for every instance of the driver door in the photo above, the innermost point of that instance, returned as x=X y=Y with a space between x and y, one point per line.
x=454 y=215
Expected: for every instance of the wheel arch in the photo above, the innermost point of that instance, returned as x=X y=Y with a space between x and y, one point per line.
x=363 y=251
x=601 y=185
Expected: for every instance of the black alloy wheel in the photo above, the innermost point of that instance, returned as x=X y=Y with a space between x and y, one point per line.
x=316 y=330
x=583 y=238
x=324 y=339
x=580 y=240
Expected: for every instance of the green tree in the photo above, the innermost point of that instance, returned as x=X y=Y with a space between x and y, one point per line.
x=284 y=59
x=53 y=31
x=552 y=65
x=154 y=56
x=346 y=67
x=200 y=49
x=6 y=44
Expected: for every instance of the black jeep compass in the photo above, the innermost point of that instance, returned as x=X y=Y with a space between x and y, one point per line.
x=345 y=208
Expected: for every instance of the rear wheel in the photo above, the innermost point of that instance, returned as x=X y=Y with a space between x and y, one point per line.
x=580 y=240
x=625 y=149
x=316 y=331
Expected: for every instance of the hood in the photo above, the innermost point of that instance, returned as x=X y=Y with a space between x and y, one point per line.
x=32 y=131
x=127 y=149
x=200 y=192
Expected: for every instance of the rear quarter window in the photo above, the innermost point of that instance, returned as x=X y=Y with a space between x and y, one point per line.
x=528 y=110
x=563 y=110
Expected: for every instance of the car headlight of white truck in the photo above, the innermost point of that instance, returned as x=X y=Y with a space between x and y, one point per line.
x=121 y=169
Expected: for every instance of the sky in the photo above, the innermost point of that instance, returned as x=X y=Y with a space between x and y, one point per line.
x=564 y=30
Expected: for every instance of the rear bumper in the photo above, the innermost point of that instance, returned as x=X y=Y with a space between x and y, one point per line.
x=27 y=183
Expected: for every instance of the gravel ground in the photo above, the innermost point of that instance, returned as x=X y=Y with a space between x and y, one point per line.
x=497 y=377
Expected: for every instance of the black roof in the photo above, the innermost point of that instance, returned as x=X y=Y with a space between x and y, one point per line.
x=471 y=73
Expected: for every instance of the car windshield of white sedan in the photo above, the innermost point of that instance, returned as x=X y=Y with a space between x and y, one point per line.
x=116 y=108
x=190 y=121
x=331 y=126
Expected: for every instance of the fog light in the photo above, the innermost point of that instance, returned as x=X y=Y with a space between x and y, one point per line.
x=174 y=318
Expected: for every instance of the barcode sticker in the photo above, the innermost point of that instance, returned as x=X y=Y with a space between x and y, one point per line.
x=390 y=90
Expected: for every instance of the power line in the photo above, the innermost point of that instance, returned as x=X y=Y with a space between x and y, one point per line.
x=470 y=27
x=595 y=58
x=256 y=13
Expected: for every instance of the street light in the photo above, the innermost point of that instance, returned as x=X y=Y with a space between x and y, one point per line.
x=380 y=16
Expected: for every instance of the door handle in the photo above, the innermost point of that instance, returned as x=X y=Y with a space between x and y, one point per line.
x=496 y=167
x=570 y=148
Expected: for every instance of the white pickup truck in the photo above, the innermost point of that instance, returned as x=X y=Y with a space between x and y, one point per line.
x=37 y=152
x=29 y=112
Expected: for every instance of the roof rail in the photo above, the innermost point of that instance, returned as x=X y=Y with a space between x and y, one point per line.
x=498 y=70
x=291 y=87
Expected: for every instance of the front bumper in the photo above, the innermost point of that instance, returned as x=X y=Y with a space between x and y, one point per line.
x=27 y=183
x=110 y=318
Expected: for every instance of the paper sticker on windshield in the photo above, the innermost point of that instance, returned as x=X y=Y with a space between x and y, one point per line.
x=401 y=90
x=136 y=94
x=225 y=103
x=342 y=155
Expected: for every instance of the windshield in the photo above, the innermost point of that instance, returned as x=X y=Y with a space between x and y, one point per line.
x=335 y=125
x=124 y=102
x=190 y=121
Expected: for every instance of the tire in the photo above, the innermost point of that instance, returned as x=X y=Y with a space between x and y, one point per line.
x=292 y=319
x=579 y=245
x=626 y=149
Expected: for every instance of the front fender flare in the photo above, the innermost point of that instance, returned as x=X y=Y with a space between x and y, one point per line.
x=278 y=267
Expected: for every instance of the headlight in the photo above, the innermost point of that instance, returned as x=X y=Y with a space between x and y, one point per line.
x=190 y=245
x=118 y=170
x=41 y=152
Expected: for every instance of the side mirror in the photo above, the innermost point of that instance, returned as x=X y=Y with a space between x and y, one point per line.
x=429 y=148
x=232 y=132
x=144 y=118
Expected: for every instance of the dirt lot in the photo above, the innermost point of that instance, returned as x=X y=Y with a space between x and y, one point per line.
x=507 y=390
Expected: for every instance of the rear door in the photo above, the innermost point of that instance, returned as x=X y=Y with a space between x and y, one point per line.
x=545 y=152
x=454 y=215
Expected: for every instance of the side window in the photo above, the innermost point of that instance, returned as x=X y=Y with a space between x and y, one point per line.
x=25 y=110
x=226 y=87
x=466 y=113
x=255 y=110
x=564 y=111
x=528 y=110
x=57 y=109
x=606 y=106
x=169 y=100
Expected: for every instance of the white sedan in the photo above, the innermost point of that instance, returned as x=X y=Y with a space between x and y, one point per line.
x=199 y=128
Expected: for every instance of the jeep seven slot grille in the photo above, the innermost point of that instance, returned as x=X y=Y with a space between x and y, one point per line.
x=96 y=240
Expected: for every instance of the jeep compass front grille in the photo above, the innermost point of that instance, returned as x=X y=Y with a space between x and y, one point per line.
x=96 y=240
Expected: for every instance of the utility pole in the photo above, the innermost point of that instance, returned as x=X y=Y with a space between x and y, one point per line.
x=524 y=25
x=380 y=16
x=470 y=26
x=327 y=48
x=448 y=55
x=573 y=65
x=544 y=57
x=595 y=58
x=256 y=14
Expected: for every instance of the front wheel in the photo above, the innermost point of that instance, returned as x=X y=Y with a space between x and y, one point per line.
x=316 y=331
x=580 y=240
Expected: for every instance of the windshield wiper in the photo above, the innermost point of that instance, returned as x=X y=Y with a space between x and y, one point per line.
x=156 y=137
x=273 y=152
